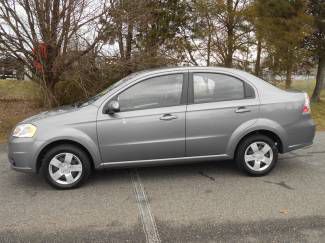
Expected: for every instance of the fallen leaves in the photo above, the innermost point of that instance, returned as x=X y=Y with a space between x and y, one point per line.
x=284 y=211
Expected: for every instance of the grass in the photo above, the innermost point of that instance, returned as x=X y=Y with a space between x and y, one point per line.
x=18 y=89
x=20 y=99
x=318 y=113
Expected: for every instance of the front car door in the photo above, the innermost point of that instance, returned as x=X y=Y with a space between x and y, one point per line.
x=151 y=121
x=219 y=103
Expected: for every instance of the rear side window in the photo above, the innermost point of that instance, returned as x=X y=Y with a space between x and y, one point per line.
x=213 y=87
x=249 y=91
x=162 y=91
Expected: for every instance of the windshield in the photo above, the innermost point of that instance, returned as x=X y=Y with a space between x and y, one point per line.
x=105 y=91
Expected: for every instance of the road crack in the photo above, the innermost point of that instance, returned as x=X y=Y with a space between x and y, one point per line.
x=207 y=176
x=282 y=184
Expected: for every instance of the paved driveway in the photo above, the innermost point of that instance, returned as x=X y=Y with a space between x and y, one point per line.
x=203 y=202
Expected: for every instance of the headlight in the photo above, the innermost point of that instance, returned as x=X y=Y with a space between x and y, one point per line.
x=24 y=131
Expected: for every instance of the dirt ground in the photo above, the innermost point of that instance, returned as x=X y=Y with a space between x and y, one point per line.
x=14 y=110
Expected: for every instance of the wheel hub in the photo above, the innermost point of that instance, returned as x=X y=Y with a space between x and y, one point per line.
x=66 y=169
x=259 y=156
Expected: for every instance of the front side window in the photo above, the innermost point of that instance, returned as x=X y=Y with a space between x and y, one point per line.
x=213 y=87
x=161 y=91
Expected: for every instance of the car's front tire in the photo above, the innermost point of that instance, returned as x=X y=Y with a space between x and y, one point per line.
x=66 y=166
x=257 y=155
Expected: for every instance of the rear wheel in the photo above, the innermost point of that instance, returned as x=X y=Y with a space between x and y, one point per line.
x=257 y=155
x=66 y=166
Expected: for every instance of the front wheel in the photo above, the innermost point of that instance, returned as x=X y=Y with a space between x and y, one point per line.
x=257 y=155
x=66 y=166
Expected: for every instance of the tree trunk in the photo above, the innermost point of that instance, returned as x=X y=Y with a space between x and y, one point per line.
x=48 y=83
x=129 y=38
x=50 y=98
x=209 y=49
x=288 y=77
x=230 y=34
x=258 y=58
x=319 y=80
x=229 y=55
x=120 y=40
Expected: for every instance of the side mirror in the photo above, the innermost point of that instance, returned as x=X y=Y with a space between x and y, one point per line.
x=113 y=107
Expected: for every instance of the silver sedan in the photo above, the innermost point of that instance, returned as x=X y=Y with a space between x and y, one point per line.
x=158 y=117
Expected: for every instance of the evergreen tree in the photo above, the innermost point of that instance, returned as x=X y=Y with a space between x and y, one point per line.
x=283 y=24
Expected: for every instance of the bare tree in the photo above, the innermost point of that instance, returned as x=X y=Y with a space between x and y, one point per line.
x=41 y=34
x=221 y=29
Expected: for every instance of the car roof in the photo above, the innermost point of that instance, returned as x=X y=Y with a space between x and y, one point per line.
x=188 y=68
x=214 y=68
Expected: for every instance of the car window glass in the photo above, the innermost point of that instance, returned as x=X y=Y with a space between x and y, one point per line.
x=162 y=91
x=212 y=87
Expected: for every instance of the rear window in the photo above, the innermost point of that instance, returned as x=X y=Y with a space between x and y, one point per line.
x=213 y=87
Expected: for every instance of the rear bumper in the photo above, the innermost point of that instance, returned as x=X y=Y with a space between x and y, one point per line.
x=298 y=146
x=301 y=134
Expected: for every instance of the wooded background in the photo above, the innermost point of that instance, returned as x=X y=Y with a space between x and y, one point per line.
x=74 y=48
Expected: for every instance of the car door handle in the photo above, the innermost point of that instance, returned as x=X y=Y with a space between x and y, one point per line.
x=242 y=109
x=167 y=117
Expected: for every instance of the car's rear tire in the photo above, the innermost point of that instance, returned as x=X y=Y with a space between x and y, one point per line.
x=66 y=166
x=257 y=155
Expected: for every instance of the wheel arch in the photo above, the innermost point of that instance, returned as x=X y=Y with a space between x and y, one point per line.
x=271 y=134
x=53 y=144
x=263 y=126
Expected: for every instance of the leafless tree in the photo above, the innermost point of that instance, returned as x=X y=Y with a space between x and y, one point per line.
x=222 y=30
x=65 y=29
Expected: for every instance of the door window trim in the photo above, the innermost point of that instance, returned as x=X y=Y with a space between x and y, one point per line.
x=246 y=87
x=184 y=94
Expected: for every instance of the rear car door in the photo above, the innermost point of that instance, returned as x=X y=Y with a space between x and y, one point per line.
x=218 y=104
x=151 y=121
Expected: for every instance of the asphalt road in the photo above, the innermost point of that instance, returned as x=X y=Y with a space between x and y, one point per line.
x=204 y=202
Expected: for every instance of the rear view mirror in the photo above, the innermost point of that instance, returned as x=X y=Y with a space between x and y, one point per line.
x=113 y=107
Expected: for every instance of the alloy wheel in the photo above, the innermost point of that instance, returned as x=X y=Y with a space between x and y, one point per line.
x=65 y=168
x=258 y=156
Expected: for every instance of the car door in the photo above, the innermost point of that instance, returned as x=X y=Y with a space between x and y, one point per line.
x=151 y=121
x=219 y=103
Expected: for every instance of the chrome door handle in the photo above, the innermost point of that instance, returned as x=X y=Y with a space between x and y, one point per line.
x=242 y=109
x=167 y=117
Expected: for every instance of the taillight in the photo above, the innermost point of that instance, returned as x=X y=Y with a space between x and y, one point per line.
x=306 y=108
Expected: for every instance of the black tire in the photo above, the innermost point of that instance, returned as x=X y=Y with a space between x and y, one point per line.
x=66 y=148
x=240 y=154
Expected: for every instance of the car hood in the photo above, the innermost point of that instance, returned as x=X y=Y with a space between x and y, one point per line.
x=46 y=114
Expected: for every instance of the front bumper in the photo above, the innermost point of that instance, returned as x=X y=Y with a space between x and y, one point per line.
x=22 y=169
x=21 y=154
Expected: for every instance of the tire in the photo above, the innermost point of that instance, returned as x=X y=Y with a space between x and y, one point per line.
x=251 y=157
x=62 y=174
